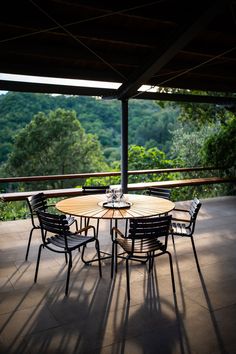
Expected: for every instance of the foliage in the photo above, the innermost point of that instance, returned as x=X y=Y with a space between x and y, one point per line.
x=140 y=158
x=95 y=115
x=220 y=148
x=155 y=130
x=13 y=210
x=201 y=113
x=187 y=141
x=54 y=144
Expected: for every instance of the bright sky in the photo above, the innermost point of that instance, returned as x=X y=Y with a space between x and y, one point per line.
x=68 y=82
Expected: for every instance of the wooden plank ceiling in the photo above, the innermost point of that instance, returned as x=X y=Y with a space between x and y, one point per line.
x=165 y=43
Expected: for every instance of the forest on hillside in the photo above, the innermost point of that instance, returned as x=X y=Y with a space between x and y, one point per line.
x=149 y=124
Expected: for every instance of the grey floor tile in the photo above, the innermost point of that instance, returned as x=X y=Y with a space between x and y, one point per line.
x=96 y=318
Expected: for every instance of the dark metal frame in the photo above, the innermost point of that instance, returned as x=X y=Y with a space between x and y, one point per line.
x=142 y=244
x=186 y=228
x=39 y=202
x=63 y=240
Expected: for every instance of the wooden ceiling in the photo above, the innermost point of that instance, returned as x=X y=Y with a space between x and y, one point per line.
x=165 y=43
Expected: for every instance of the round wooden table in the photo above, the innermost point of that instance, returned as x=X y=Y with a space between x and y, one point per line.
x=91 y=206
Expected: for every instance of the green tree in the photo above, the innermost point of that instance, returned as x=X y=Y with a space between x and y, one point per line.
x=220 y=148
x=155 y=130
x=187 y=142
x=141 y=158
x=54 y=144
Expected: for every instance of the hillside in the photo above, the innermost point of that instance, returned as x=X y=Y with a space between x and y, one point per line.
x=149 y=124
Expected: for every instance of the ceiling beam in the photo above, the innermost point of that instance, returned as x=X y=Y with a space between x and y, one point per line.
x=111 y=93
x=141 y=76
x=18 y=86
x=178 y=97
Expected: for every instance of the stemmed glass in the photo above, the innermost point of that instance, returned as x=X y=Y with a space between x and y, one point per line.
x=119 y=194
x=109 y=194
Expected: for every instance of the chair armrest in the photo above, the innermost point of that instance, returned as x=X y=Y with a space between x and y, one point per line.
x=85 y=229
x=114 y=232
x=180 y=215
x=178 y=219
x=183 y=210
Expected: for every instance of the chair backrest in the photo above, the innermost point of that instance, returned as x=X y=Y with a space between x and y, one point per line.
x=159 y=192
x=53 y=223
x=94 y=189
x=155 y=227
x=193 y=212
x=36 y=202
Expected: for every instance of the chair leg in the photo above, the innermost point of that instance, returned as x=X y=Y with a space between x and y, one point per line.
x=172 y=271
x=82 y=255
x=97 y=228
x=86 y=223
x=116 y=246
x=113 y=259
x=127 y=278
x=173 y=239
x=99 y=258
x=68 y=272
x=195 y=255
x=37 y=265
x=76 y=225
x=126 y=226
x=150 y=262
x=29 y=242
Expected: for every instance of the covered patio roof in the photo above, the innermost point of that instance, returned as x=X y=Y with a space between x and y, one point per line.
x=164 y=43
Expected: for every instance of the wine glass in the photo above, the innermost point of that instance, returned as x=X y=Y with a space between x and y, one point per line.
x=119 y=194
x=109 y=195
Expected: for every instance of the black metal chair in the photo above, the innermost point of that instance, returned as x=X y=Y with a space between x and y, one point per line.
x=88 y=190
x=186 y=227
x=63 y=240
x=94 y=189
x=143 y=243
x=159 y=192
x=39 y=202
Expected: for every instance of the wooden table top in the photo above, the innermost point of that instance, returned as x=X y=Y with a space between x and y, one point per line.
x=92 y=206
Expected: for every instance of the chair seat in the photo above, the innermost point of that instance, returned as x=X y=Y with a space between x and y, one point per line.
x=140 y=246
x=180 y=229
x=74 y=240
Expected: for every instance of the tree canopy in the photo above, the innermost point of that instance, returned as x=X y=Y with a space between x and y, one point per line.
x=100 y=117
x=54 y=144
x=220 y=148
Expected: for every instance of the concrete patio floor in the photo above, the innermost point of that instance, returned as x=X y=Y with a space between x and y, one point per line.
x=96 y=318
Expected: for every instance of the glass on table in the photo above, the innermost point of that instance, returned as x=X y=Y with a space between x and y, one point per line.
x=109 y=194
x=118 y=194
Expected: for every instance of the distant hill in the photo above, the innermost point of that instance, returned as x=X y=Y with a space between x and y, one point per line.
x=148 y=122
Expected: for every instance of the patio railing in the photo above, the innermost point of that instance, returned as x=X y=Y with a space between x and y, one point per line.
x=9 y=193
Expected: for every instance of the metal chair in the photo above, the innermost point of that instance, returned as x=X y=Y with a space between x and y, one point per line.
x=63 y=240
x=94 y=189
x=88 y=190
x=39 y=202
x=185 y=227
x=159 y=192
x=142 y=244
